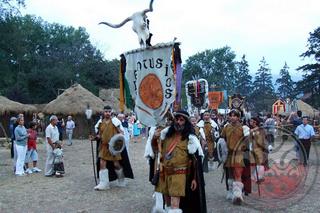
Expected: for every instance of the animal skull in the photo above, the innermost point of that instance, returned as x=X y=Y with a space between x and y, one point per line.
x=140 y=25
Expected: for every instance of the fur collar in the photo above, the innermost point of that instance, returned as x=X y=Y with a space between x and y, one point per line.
x=212 y=122
x=193 y=142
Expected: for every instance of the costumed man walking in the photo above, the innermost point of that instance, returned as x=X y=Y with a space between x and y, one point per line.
x=153 y=155
x=209 y=131
x=112 y=166
x=181 y=176
x=258 y=150
x=234 y=134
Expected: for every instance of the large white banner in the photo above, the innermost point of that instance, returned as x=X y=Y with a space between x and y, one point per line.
x=151 y=81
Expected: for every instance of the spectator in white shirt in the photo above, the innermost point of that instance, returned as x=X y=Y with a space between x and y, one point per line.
x=52 y=136
x=70 y=125
x=305 y=133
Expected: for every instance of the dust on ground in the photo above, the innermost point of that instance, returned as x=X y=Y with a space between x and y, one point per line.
x=74 y=192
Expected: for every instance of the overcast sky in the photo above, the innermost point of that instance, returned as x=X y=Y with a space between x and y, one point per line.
x=275 y=29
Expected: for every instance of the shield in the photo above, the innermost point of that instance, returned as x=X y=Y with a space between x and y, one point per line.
x=117 y=144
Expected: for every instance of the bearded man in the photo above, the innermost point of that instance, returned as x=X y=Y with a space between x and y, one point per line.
x=181 y=176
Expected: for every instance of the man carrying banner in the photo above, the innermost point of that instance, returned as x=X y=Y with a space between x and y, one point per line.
x=112 y=165
x=181 y=177
x=209 y=131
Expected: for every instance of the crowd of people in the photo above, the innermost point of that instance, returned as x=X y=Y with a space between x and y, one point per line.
x=24 y=145
x=241 y=145
x=178 y=152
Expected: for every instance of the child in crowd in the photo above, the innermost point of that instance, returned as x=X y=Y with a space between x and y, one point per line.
x=32 y=153
x=58 y=165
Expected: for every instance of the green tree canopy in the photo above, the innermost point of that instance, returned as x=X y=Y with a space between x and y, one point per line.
x=10 y=7
x=217 y=66
x=38 y=58
x=263 y=91
x=243 y=84
x=310 y=84
x=285 y=83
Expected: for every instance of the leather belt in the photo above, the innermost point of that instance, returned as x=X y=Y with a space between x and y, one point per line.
x=175 y=171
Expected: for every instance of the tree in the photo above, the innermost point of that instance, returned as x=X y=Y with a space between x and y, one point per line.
x=310 y=84
x=263 y=91
x=10 y=7
x=217 y=66
x=244 y=81
x=38 y=58
x=286 y=85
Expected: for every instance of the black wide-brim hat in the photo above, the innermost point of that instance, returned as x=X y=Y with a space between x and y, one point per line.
x=182 y=113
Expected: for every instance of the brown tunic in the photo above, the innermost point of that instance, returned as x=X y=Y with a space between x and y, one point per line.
x=174 y=171
x=208 y=130
x=258 y=155
x=233 y=134
x=106 y=131
x=197 y=131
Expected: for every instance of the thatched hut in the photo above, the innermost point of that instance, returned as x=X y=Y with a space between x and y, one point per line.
x=307 y=110
x=74 y=101
x=112 y=97
x=9 y=108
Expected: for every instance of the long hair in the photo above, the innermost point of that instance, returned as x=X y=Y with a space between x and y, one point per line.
x=187 y=130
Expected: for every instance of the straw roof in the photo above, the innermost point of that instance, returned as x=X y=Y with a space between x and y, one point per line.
x=112 y=94
x=74 y=100
x=7 y=105
x=307 y=109
x=111 y=97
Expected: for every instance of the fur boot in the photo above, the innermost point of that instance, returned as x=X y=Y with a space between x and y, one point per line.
x=103 y=180
x=237 y=193
x=121 y=180
x=230 y=191
x=158 y=206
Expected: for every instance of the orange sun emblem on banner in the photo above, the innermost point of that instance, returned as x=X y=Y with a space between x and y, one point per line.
x=150 y=91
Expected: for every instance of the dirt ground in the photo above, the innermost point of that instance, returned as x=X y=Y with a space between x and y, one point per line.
x=74 y=192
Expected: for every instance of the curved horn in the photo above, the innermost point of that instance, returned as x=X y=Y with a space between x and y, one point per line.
x=117 y=25
x=150 y=9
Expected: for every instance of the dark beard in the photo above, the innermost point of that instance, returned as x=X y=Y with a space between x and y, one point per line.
x=178 y=127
